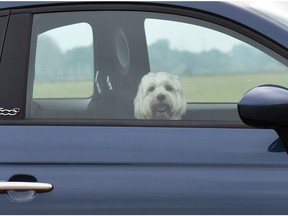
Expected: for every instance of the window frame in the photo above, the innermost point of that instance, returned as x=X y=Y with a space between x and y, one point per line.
x=27 y=13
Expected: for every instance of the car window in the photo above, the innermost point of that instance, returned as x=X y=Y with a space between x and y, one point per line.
x=212 y=66
x=140 y=65
x=64 y=65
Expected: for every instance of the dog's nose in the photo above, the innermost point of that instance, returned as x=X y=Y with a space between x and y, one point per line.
x=161 y=97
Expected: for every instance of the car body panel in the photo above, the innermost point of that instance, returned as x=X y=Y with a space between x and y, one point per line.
x=139 y=145
x=127 y=172
x=82 y=189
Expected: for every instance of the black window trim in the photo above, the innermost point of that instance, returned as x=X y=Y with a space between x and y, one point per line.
x=159 y=8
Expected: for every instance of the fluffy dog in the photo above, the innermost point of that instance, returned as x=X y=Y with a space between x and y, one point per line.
x=159 y=96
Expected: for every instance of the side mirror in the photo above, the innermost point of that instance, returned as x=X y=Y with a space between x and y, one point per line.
x=266 y=106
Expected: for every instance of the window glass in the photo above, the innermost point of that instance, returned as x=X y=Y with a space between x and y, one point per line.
x=64 y=65
x=212 y=66
x=91 y=64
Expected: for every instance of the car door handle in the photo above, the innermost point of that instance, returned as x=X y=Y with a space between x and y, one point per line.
x=36 y=186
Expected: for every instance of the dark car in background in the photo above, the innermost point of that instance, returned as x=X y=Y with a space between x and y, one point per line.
x=70 y=142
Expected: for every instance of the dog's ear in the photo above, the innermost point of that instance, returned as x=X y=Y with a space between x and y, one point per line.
x=138 y=101
x=141 y=107
x=183 y=103
x=137 y=108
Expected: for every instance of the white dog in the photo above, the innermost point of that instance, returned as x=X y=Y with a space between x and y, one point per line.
x=159 y=96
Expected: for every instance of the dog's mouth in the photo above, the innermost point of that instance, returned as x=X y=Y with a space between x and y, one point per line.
x=161 y=107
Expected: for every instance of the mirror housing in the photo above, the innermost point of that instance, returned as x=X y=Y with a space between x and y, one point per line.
x=266 y=106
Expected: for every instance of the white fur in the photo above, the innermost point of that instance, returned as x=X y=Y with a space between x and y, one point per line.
x=159 y=96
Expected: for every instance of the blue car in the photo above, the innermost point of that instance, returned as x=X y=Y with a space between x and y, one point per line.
x=144 y=107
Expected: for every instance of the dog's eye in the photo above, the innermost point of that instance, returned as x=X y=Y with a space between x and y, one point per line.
x=168 y=88
x=151 y=89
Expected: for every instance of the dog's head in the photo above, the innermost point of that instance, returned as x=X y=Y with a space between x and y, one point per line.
x=159 y=96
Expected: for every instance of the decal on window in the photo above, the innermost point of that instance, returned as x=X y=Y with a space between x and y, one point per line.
x=9 y=112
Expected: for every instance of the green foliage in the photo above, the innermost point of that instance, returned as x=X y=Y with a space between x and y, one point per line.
x=241 y=59
x=209 y=76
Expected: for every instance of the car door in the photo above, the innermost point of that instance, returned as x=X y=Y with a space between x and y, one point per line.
x=67 y=92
